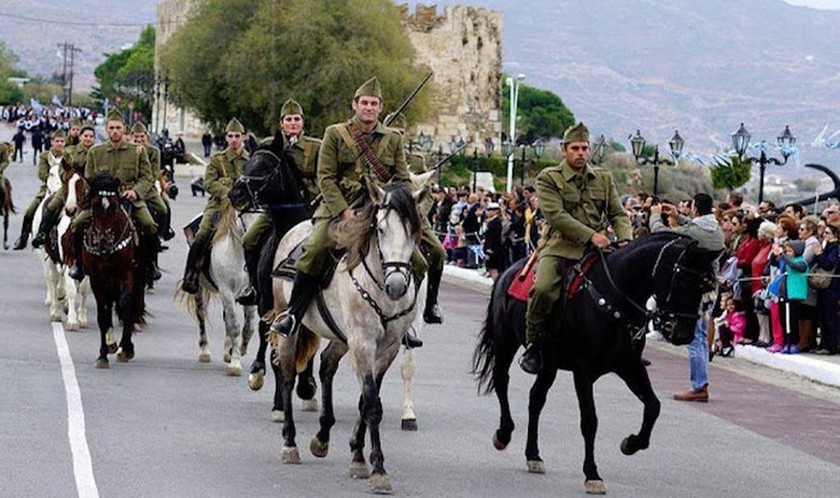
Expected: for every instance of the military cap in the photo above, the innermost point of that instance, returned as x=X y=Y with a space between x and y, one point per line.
x=114 y=115
x=59 y=134
x=397 y=121
x=290 y=106
x=369 y=88
x=576 y=133
x=235 y=126
x=75 y=122
x=88 y=125
x=138 y=127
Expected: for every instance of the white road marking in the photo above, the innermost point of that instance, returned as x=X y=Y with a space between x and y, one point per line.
x=82 y=465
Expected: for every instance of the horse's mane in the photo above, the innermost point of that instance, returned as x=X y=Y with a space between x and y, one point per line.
x=226 y=224
x=104 y=182
x=355 y=234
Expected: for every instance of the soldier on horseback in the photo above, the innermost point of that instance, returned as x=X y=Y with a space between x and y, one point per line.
x=224 y=169
x=48 y=163
x=74 y=159
x=577 y=201
x=129 y=163
x=353 y=154
x=303 y=151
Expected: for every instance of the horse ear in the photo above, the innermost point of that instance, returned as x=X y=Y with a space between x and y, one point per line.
x=422 y=179
x=377 y=194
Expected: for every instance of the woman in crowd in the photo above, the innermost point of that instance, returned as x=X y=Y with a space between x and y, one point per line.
x=827 y=299
x=766 y=233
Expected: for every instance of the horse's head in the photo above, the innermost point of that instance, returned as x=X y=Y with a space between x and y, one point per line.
x=397 y=228
x=268 y=178
x=76 y=187
x=681 y=275
x=104 y=192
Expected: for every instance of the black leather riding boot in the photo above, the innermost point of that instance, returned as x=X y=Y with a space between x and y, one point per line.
x=25 y=230
x=432 y=312
x=47 y=221
x=151 y=245
x=248 y=296
x=305 y=289
x=532 y=359
x=192 y=271
x=78 y=271
x=164 y=223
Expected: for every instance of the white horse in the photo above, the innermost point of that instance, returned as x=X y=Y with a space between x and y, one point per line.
x=52 y=273
x=373 y=301
x=76 y=292
x=227 y=278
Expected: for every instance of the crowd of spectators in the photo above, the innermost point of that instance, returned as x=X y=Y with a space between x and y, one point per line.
x=35 y=125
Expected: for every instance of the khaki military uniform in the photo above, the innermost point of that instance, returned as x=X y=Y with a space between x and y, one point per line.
x=342 y=177
x=429 y=242
x=153 y=198
x=44 y=164
x=575 y=207
x=224 y=169
x=129 y=163
x=304 y=153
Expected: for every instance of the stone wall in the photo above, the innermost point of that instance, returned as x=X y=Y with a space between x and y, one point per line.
x=462 y=45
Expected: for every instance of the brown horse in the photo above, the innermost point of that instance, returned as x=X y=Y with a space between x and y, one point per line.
x=7 y=207
x=110 y=251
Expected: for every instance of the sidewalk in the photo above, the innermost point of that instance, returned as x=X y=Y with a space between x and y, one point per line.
x=822 y=369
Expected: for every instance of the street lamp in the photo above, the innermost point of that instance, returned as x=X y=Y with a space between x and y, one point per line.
x=514 y=99
x=741 y=141
x=638 y=145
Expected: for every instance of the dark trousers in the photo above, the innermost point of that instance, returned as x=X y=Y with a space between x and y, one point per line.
x=790 y=311
x=827 y=306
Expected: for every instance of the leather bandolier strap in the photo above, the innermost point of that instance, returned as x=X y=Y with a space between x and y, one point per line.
x=368 y=156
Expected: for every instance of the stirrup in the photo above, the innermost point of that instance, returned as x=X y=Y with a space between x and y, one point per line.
x=39 y=240
x=432 y=314
x=531 y=360
x=410 y=341
x=285 y=324
x=248 y=296
x=190 y=283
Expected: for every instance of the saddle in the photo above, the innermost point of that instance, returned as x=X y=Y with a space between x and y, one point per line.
x=520 y=287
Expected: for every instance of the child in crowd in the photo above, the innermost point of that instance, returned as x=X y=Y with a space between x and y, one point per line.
x=793 y=292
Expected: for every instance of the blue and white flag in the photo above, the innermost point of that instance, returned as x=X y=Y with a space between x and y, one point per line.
x=56 y=101
x=36 y=105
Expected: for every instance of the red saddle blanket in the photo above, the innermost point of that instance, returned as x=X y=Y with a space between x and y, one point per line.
x=522 y=284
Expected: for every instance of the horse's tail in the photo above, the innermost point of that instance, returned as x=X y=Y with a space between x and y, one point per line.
x=9 y=201
x=190 y=301
x=484 y=356
x=307 y=345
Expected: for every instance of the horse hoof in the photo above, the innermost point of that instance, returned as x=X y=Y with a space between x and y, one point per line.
x=309 y=405
x=498 y=443
x=102 y=363
x=277 y=415
x=226 y=357
x=110 y=341
x=234 y=371
x=205 y=357
x=317 y=448
x=625 y=447
x=536 y=467
x=595 y=487
x=409 y=424
x=124 y=356
x=256 y=381
x=359 y=470
x=72 y=326
x=55 y=318
x=290 y=455
x=380 y=484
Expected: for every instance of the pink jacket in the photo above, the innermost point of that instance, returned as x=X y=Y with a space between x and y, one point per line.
x=737 y=322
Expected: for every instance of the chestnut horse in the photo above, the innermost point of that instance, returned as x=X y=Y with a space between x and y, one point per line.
x=111 y=262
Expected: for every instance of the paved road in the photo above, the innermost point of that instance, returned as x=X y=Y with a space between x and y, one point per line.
x=165 y=425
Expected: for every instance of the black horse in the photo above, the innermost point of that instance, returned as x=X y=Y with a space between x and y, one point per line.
x=272 y=183
x=601 y=329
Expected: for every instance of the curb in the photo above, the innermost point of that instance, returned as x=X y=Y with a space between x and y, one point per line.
x=806 y=366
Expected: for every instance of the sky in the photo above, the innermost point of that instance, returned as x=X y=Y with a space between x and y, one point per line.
x=817 y=4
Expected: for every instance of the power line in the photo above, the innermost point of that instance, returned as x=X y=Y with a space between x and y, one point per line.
x=73 y=23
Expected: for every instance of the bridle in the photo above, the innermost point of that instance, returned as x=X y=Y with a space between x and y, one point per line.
x=261 y=182
x=104 y=241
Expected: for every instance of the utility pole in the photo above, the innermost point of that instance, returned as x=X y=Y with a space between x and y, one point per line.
x=67 y=76
x=73 y=50
x=64 y=46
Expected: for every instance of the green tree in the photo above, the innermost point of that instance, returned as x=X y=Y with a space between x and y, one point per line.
x=540 y=114
x=730 y=173
x=129 y=74
x=9 y=92
x=244 y=58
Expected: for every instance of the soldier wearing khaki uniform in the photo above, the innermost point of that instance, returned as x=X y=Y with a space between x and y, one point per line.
x=429 y=243
x=48 y=161
x=74 y=160
x=74 y=133
x=128 y=163
x=157 y=203
x=578 y=202
x=224 y=169
x=342 y=177
x=303 y=151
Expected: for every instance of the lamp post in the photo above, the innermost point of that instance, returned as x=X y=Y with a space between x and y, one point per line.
x=638 y=143
x=741 y=141
x=514 y=100
x=508 y=149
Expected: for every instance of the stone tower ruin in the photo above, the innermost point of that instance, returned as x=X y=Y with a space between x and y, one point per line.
x=462 y=46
